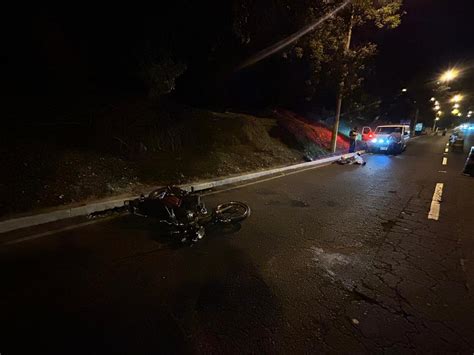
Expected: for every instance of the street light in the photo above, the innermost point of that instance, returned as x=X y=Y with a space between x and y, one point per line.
x=449 y=75
x=456 y=106
x=437 y=103
x=455 y=111
x=457 y=98
x=404 y=90
x=432 y=99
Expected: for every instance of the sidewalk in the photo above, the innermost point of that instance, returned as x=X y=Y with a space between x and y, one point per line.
x=72 y=212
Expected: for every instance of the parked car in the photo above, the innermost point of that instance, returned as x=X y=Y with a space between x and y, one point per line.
x=389 y=139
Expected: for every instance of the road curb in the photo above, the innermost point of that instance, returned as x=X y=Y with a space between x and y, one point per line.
x=48 y=217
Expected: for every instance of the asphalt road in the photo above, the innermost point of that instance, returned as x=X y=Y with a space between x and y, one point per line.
x=335 y=259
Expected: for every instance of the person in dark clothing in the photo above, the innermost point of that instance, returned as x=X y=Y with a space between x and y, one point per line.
x=352 y=139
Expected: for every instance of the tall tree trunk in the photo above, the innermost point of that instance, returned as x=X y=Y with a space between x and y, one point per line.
x=340 y=92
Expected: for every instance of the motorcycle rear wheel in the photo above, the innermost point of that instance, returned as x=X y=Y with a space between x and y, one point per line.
x=232 y=212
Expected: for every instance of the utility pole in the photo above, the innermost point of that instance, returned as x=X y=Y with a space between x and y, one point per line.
x=340 y=93
x=417 y=113
x=434 y=124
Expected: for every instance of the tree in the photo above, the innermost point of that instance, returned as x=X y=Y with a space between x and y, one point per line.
x=383 y=13
x=160 y=71
x=335 y=63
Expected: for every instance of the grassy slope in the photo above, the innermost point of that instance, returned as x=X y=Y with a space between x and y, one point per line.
x=224 y=144
x=313 y=138
x=46 y=169
x=45 y=174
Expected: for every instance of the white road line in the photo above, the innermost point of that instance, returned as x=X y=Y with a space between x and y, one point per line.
x=445 y=161
x=264 y=180
x=435 y=202
x=56 y=231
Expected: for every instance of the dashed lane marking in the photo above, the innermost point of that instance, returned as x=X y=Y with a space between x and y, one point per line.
x=435 y=202
x=445 y=161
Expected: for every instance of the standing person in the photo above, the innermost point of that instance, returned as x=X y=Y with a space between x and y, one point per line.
x=352 y=139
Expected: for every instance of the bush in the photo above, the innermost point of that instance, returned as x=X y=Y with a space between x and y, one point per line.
x=159 y=72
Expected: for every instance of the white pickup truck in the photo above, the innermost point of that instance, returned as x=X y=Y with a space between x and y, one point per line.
x=389 y=139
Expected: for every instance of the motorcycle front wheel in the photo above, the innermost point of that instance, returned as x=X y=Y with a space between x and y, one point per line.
x=232 y=212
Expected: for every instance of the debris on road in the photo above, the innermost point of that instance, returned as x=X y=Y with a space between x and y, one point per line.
x=356 y=159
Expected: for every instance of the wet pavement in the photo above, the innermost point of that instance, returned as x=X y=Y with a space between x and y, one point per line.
x=335 y=259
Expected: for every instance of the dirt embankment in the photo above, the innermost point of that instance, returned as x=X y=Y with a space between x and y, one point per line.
x=128 y=151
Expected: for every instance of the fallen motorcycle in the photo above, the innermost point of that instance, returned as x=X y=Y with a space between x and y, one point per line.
x=185 y=213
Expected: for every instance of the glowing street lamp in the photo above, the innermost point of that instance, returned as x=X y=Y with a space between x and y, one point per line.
x=456 y=106
x=404 y=90
x=437 y=103
x=432 y=99
x=449 y=75
x=439 y=113
x=457 y=98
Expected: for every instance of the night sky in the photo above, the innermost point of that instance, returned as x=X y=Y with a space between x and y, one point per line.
x=42 y=46
x=434 y=35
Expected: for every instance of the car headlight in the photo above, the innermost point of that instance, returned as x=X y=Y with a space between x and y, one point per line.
x=374 y=140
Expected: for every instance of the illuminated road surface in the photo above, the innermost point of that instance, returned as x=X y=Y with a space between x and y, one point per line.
x=337 y=259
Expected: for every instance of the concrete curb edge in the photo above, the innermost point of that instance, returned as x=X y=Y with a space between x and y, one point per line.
x=48 y=217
